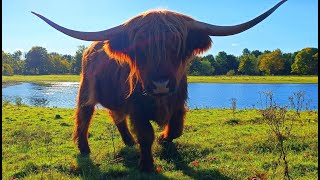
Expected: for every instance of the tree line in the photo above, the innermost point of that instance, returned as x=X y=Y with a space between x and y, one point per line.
x=37 y=61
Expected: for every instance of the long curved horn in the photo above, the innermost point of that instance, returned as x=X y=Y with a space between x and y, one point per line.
x=214 y=30
x=87 y=36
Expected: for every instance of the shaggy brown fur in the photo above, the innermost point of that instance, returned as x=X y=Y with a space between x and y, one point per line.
x=116 y=72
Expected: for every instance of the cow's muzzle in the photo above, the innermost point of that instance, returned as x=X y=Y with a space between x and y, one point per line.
x=161 y=87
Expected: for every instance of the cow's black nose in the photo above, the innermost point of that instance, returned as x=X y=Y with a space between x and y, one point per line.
x=161 y=86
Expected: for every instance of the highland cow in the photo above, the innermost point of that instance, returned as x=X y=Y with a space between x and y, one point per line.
x=138 y=70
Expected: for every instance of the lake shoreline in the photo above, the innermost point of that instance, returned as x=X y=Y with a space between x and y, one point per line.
x=191 y=79
x=200 y=95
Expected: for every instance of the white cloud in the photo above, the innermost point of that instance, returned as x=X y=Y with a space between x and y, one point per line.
x=235 y=44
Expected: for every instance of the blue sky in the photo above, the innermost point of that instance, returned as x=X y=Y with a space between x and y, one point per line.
x=291 y=27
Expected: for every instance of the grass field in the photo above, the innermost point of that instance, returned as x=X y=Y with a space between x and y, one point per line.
x=203 y=79
x=36 y=144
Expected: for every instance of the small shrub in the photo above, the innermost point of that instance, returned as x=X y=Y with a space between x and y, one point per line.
x=18 y=101
x=57 y=116
x=231 y=73
x=234 y=105
x=5 y=102
x=276 y=118
x=297 y=101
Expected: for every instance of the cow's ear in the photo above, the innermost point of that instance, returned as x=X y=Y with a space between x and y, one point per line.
x=118 y=47
x=197 y=42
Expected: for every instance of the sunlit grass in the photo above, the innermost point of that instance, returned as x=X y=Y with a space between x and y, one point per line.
x=215 y=145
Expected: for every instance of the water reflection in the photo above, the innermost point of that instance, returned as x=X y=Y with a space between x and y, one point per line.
x=39 y=101
x=201 y=95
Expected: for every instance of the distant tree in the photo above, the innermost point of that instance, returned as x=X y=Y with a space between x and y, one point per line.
x=19 y=68
x=59 y=65
x=76 y=63
x=195 y=66
x=14 y=60
x=271 y=63
x=7 y=70
x=306 y=62
x=206 y=68
x=248 y=65
x=67 y=57
x=266 y=51
x=37 y=61
x=256 y=53
x=221 y=63
x=245 y=52
x=210 y=58
x=288 y=61
x=17 y=55
x=233 y=63
x=6 y=58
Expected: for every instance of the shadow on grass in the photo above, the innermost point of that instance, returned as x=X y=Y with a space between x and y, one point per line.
x=170 y=153
x=87 y=169
x=129 y=157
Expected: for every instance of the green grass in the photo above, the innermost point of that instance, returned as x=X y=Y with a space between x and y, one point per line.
x=41 y=78
x=204 y=79
x=214 y=145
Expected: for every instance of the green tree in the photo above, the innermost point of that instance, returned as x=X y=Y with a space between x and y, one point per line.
x=37 y=61
x=17 y=55
x=210 y=58
x=7 y=70
x=271 y=63
x=248 y=65
x=67 y=57
x=245 y=52
x=59 y=65
x=256 y=53
x=266 y=51
x=306 y=62
x=77 y=61
x=195 y=66
x=14 y=60
x=288 y=61
x=18 y=66
x=7 y=58
x=206 y=68
x=221 y=63
x=232 y=63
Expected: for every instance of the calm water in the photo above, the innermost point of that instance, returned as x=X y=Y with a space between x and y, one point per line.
x=201 y=95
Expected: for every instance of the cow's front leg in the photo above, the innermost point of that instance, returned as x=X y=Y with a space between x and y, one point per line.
x=174 y=127
x=145 y=136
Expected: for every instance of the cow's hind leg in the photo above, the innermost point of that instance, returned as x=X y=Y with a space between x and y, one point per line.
x=174 y=127
x=83 y=115
x=120 y=121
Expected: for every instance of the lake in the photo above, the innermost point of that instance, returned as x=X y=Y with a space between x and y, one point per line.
x=201 y=95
